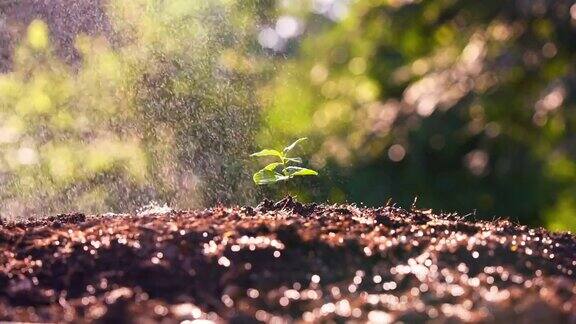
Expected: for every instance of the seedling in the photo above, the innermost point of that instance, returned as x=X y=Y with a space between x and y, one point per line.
x=283 y=169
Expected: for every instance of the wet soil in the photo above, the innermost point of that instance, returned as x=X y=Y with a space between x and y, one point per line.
x=284 y=262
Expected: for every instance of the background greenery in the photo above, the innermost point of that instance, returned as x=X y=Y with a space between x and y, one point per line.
x=158 y=107
x=467 y=105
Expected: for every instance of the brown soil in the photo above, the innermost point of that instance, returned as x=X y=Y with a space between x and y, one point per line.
x=282 y=262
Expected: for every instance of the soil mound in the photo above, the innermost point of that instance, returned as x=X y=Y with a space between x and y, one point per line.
x=284 y=262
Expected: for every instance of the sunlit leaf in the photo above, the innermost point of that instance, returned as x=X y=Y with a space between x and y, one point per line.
x=268 y=152
x=298 y=171
x=293 y=159
x=264 y=176
x=273 y=166
x=293 y=145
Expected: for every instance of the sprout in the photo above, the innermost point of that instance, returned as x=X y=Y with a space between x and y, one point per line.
x=270 y=174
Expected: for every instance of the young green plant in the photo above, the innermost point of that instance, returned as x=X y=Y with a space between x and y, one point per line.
x=283 y=169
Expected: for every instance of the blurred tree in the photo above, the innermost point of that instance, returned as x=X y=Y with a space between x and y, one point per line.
x=464 y=104
x=159 y=107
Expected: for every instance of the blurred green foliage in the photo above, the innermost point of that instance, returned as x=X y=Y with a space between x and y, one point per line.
x=160 y=110
x=466 y=105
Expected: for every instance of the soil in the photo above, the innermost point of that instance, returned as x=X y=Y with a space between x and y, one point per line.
x=283 y=262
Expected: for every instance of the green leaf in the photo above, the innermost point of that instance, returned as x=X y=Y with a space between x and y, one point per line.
x=264 y=176
x=273 y=166
x=305 y=172
x=293 y=159
x=268 y=152
x=293 y=171
x=293 y=145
